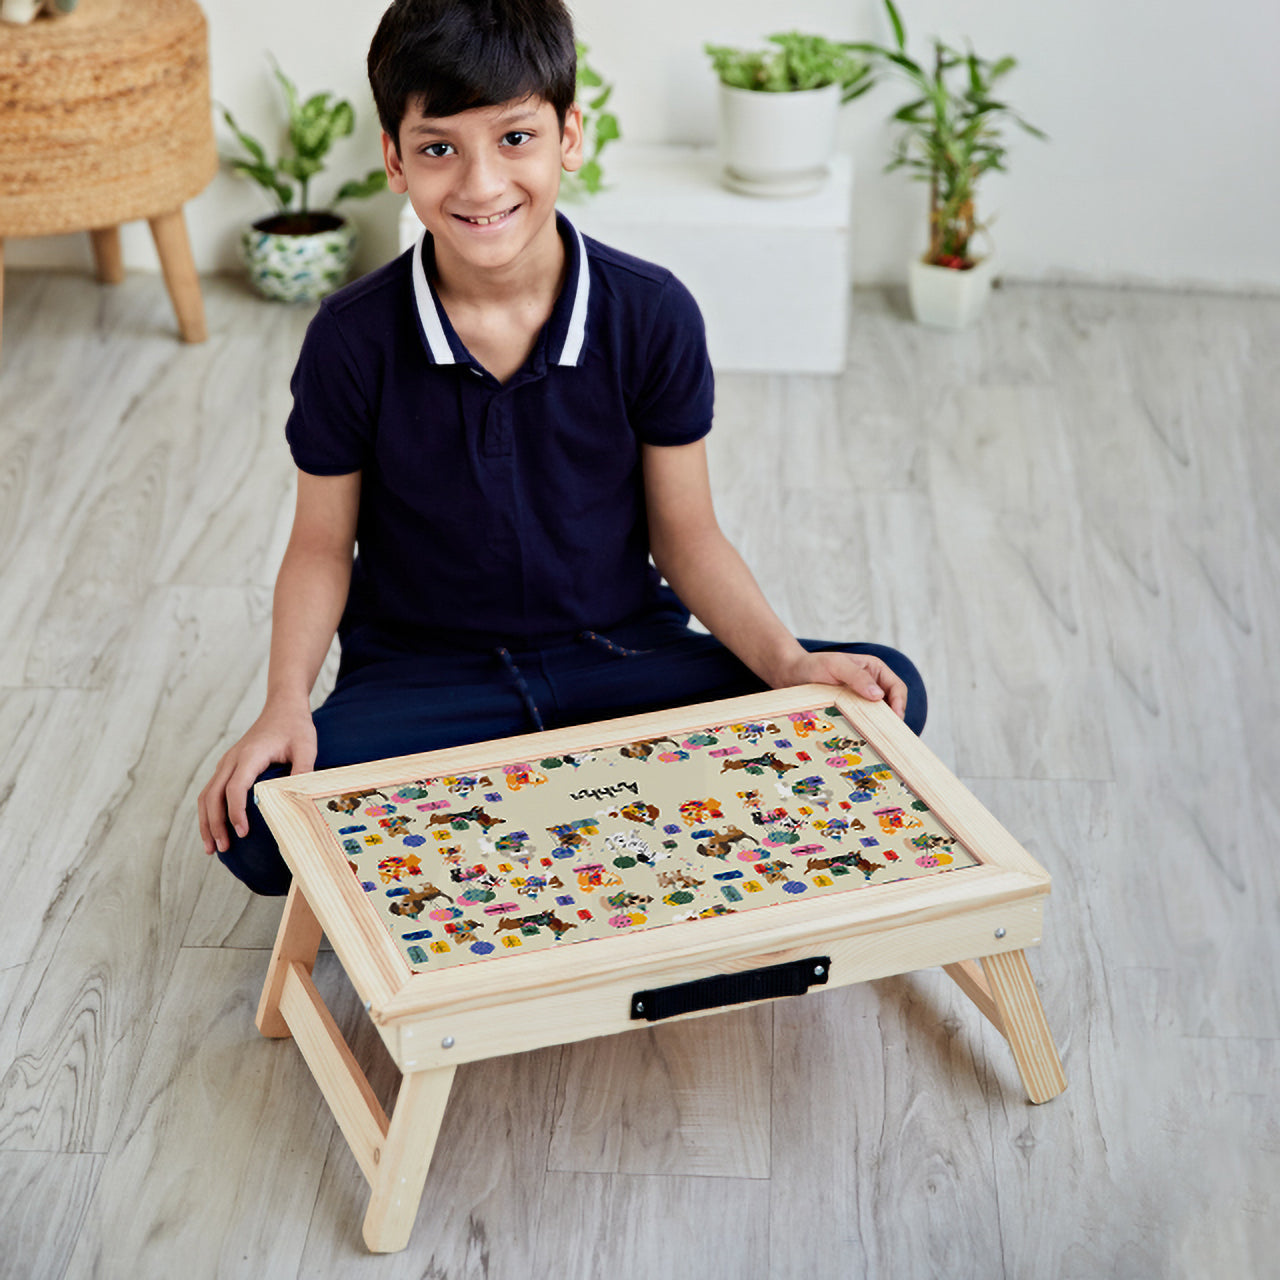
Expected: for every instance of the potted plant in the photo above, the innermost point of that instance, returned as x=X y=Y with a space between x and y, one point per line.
x=778 y=110
x=300 y=254
x=950 y=136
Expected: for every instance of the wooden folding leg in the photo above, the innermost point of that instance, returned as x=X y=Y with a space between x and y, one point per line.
x=394 y=1155
x=1004 y=990
x=345 y=1087
x=405 y=1158
x=297 y=941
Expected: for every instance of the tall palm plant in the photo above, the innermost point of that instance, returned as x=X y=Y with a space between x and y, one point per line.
x=951 y=134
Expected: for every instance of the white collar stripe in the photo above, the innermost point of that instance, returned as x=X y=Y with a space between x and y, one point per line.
x=441 y=352
x=571 y=352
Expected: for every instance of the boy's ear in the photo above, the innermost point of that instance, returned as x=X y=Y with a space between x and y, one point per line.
x=395 y=168
x=571 y=140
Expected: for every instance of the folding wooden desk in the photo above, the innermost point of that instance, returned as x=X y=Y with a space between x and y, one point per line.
x=539 y=890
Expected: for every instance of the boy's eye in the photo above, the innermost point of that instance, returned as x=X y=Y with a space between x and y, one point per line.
x=516 y=138
x=437 y=149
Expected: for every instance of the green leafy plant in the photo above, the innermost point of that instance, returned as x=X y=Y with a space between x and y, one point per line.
x=314 y=125
x=798 y=62
x=951 y=134
x=599 y=128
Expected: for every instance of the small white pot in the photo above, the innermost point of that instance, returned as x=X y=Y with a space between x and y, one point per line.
x=19 y=12
x=945 y=298
x=777 y=144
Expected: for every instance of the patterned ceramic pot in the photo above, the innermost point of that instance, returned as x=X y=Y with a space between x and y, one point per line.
x=289 y=264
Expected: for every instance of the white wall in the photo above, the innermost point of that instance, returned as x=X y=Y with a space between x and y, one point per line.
x=1165 y=124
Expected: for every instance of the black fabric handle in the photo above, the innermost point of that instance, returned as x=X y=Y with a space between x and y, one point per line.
x=792 y=979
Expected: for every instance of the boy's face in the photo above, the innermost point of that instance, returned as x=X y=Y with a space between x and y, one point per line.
x=484 y=182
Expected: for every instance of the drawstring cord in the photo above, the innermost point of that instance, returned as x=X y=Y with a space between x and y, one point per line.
x=522 y=685
x=608 y=645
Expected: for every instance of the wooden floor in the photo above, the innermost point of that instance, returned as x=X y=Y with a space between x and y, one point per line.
x=1069 y=516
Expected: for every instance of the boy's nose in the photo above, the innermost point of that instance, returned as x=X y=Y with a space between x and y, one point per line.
x=482 y=181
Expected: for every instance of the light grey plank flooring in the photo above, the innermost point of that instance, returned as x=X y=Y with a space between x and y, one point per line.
x=1070 y=518
x=687 y=1099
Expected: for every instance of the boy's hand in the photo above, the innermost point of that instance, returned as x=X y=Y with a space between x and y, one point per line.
x=866 y=675
x=278 y=736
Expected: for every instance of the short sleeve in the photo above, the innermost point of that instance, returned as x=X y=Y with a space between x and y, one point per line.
x=330 y=427
x=677 y=388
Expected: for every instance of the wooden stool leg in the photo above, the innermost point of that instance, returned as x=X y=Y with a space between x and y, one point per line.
x=169 y=231
x=406 y=1157
x=1017 y=1004
x=297 y=941
x=107 y=255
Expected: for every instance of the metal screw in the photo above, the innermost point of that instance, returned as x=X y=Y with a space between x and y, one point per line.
x=639 y=1006
x=1000 y=932
x=368 y=1004
x=447 y=1042
x=818 y=971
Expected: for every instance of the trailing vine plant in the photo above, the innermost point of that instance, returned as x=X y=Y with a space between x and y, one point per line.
x=599 y=128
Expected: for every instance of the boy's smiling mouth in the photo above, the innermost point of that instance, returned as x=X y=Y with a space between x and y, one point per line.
x=487 y=221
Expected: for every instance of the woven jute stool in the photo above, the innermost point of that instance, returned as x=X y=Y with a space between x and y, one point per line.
x=105 y=118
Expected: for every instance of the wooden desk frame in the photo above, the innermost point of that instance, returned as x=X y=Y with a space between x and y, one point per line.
x=976 y=923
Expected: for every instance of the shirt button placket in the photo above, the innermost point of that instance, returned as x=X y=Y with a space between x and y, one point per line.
x=504 y=532
x=496 y=442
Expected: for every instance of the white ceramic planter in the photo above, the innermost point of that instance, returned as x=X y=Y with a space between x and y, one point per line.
x=777 y=144
x=20 y=12
x=948 y=299
x=297 y=268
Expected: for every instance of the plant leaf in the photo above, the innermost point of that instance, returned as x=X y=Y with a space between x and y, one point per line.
x=373 y=182
x=315 y=106
x=290 y=91
x=858 y=91
x=253 y=147
x=899 y=31
x=976 y=84
x=607 y=129
x=343 y=119
x=901 y=60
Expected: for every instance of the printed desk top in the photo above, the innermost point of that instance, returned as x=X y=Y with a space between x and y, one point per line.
x=549 y=852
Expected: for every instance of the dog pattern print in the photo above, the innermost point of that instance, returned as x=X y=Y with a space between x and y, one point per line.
x=548 y=852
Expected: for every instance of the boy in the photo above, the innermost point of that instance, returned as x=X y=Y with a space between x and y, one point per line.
x=503 y=424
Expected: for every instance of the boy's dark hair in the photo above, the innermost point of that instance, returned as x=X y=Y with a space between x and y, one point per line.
x=452 y=55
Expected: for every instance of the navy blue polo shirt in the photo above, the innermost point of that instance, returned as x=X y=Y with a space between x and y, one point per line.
x=497 y=512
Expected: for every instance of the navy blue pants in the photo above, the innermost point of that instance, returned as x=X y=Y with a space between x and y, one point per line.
x=388 y=702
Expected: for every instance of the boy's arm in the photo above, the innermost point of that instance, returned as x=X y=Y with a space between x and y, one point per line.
x=311 y=591
x=714 y=583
